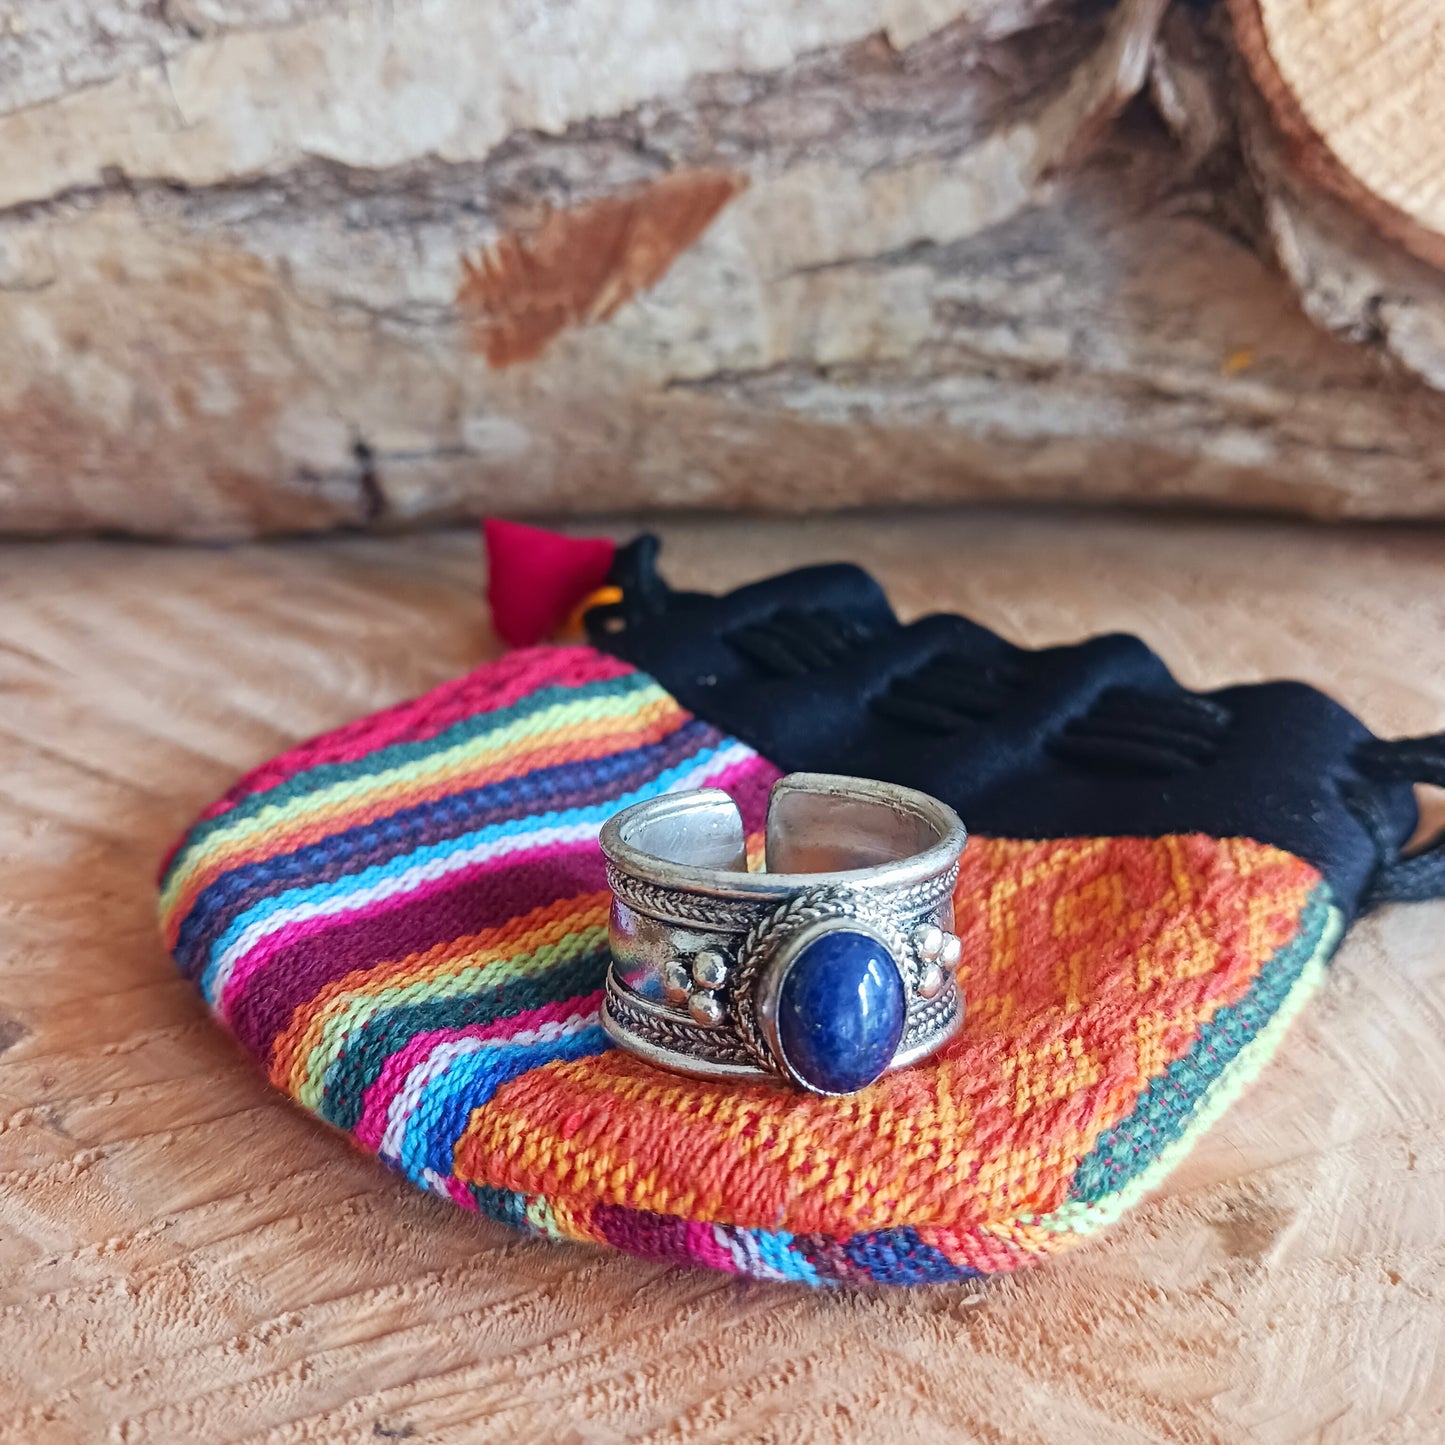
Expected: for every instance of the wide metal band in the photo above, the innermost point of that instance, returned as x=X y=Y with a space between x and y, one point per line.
x=701 y=946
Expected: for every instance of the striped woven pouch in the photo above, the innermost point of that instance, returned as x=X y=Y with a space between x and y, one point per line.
x=404 y=922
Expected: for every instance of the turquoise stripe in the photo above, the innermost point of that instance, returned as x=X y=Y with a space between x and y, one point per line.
x=1162 y=1113
x=469 y=1081
x=324 y=775
x=780 y=1251
x=436 y=852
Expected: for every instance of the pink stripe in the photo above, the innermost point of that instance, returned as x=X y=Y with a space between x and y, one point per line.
x=748 y=781
x=750 y=773
x=379 y=1096
x=259 y=954
x=496 y=685
x=460 y=1193
x=702 y=1245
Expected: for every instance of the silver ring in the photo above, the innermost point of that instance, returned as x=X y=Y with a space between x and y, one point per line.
x=827 y=969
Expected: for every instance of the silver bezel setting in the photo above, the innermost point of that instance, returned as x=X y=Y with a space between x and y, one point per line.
x=775 y=941
x=769 y=986
x=748 y=928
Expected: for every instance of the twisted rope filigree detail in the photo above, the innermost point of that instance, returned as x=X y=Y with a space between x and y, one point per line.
x=925 y=895
x=681 y=1035
x=677 y=906
x=680 y=906
x=927 y=1016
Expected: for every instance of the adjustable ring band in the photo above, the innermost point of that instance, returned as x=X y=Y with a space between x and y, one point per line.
x=831 y=967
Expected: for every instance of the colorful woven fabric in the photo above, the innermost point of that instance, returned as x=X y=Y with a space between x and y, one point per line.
x=405 y=923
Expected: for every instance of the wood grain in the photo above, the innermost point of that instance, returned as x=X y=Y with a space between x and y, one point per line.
x=1359 y=88
x=183 y=1256
x=581 y=266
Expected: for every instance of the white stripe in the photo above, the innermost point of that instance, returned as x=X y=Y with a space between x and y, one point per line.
x=436 y=868
x=437 y=1062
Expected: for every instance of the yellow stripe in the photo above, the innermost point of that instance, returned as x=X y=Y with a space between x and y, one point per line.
x=301 y=1070
x=501 y=743
x=289 y=834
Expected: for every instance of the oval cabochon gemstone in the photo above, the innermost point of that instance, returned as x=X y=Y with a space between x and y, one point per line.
x=841 y=1011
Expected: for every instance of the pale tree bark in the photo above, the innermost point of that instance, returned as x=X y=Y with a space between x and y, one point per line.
x=275 y=265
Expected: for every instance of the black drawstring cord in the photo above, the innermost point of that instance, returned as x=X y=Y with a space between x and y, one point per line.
x=1412 y=877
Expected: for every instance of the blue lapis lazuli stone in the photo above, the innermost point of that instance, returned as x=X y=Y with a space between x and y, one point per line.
x=841 y=1010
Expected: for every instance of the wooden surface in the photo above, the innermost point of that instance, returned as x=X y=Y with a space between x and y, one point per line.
x=185 y=1257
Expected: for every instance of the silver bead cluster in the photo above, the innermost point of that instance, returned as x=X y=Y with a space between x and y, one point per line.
x=696 y=981
x=937 y=950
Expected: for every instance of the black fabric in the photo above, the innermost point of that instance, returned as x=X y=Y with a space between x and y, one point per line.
x=813 y=670
x=1418 y=875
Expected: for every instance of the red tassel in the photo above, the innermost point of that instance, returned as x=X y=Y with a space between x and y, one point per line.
x=537 y=579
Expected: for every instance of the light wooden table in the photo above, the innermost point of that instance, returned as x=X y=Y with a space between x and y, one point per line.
x=185 y=1257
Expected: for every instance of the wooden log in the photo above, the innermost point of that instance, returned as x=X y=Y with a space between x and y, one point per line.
x=1359 y=262
x=280 y=265
x=1357 y=90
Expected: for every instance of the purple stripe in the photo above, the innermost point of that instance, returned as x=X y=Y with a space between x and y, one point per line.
x=486 y=896
x=411 y=828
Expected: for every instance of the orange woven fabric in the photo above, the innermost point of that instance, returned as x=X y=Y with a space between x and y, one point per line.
x=1088 y=965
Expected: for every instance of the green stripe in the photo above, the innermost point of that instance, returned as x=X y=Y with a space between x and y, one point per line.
x=1164 y=1110
x=325 y=775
